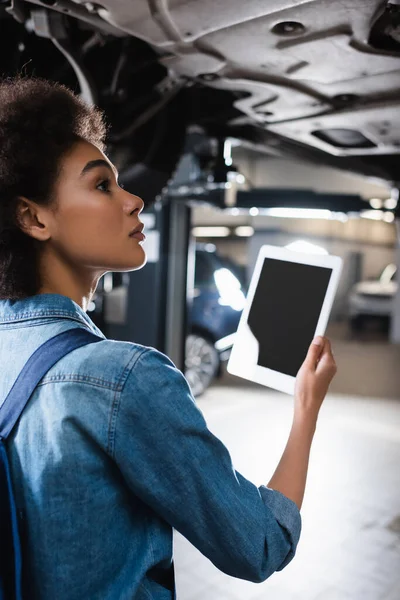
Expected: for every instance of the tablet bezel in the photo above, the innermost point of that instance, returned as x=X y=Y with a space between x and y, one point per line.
x=242 y=362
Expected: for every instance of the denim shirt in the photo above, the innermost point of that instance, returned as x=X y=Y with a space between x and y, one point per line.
x=109 y=455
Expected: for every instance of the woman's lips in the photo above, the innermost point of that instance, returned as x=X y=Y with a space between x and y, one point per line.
x=138 y=236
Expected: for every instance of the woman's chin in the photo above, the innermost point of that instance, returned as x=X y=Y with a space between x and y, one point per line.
x=142 y=262
x=135 y=261
x=139 y=261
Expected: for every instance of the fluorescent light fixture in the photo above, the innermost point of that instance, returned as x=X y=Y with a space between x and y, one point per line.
x=254 y=211
x=244 y=231
x=228 y=152
x=376 y=203
x=375 y=215
x=299 y=213
x=307 y=247
x=229 y=288
x=340 y=216
x=211 y=231
x=390 y=203
x=388 y=217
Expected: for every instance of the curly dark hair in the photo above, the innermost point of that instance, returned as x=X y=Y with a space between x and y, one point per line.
x=40 y=122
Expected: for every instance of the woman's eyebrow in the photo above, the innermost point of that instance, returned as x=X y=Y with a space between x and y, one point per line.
x=99 y=162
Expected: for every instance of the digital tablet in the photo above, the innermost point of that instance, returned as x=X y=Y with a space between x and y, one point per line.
x=289 y=301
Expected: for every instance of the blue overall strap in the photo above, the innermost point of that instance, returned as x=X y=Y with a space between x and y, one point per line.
x=47 y=355
x=34 y=370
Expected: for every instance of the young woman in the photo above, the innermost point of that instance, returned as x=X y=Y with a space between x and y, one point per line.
x=111 y=452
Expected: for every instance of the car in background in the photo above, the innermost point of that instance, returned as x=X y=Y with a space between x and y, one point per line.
x=373 y=299
x=218 y=301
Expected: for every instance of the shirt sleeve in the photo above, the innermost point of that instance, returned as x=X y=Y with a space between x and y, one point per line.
x=174 y=464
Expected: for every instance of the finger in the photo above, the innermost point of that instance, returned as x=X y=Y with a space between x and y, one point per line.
x=327 y=348
x=327 y=359
x=315 y=351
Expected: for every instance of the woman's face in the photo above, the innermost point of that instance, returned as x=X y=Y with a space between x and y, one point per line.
x=94 y=217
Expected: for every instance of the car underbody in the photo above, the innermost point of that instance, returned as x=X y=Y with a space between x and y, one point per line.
x=317 y=80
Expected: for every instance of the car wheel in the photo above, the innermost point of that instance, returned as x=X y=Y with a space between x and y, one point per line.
x=201 y=363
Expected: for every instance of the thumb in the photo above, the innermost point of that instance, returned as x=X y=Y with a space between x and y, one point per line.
x=327 y=357
x=314 y=352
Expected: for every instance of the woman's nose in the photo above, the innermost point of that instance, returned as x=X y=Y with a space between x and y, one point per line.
x=134 y=204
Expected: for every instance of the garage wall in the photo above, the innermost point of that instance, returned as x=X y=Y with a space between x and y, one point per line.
x=374 y=240
x=267 y=171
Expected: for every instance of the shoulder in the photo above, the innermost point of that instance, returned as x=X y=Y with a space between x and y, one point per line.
x=120 y=366
x=107 y=363
x=153 y=379
x=138 y=366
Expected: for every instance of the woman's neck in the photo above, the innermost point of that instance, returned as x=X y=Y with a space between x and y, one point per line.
x=61 y=278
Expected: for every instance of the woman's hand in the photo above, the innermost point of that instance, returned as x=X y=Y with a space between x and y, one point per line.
x=314 y=378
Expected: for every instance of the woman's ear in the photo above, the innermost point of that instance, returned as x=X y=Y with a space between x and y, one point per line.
x=33 y=219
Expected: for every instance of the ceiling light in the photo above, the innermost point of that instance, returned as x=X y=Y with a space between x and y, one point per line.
x=299 y=213
x=390 y=203
x=211 y=231
x=244 y=231
x=340 y=216
x=254 y=211
x=388 y=217
x=307 y=247
x=376 y=203
x=375 y=215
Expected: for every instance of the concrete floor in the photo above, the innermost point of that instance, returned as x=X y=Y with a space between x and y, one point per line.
x=350 y=544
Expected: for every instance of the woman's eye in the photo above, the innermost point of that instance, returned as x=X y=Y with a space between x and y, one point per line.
x=104 y=186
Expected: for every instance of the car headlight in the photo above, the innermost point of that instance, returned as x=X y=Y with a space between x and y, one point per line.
x=229 y=289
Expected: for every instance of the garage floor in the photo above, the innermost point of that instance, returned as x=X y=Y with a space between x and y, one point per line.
x=350 y=544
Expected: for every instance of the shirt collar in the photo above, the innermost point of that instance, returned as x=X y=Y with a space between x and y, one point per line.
x=43 y=305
